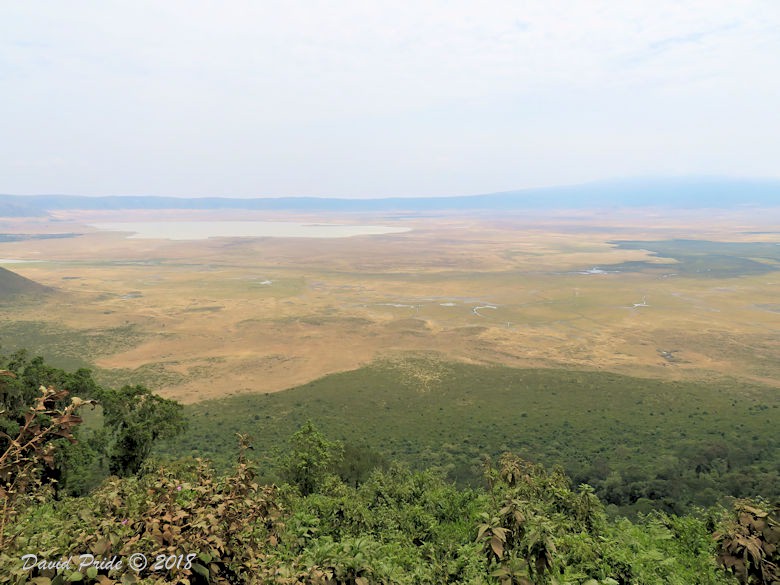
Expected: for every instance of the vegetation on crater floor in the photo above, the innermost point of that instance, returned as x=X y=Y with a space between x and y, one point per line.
x=643 y=444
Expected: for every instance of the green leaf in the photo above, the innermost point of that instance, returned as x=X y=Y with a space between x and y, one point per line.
x=205 y=557
x=75 y=576
x=92 y=572
x=201 y=570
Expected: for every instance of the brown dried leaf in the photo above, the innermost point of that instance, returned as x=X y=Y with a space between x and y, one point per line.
x=497 y=545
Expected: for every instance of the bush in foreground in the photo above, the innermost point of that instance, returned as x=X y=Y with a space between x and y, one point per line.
x=528 y=525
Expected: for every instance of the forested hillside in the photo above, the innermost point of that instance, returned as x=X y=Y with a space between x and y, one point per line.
x=78 y=486
x=643 y=444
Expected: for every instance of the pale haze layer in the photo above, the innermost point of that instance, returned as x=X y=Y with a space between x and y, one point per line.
x=366 y=99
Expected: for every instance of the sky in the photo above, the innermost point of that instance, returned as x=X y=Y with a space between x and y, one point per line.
x=367 y=99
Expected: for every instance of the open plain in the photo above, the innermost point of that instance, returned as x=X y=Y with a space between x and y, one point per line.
x=683 y=296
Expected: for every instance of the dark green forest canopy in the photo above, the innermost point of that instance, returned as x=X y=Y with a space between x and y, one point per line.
x=641 y=443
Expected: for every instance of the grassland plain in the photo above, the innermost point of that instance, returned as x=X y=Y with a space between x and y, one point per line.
x=203 y=319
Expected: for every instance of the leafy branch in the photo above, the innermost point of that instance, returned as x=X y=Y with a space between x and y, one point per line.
x=33 y=446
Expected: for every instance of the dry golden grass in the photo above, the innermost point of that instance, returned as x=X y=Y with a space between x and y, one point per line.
x=208 y=322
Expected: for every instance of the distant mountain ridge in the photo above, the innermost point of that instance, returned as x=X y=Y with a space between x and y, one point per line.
x=691 y=193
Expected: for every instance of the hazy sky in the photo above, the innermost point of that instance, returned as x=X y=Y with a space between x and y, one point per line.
x=396 y=98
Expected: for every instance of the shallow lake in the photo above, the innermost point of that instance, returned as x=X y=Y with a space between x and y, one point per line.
x=200 y=230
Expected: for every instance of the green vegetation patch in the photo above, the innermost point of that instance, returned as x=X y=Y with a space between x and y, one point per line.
x=703 y=258
x=64 y=347
x=642 y=443
x=155 y=375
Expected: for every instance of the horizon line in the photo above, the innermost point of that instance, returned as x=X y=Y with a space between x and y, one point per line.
x=613 y=181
